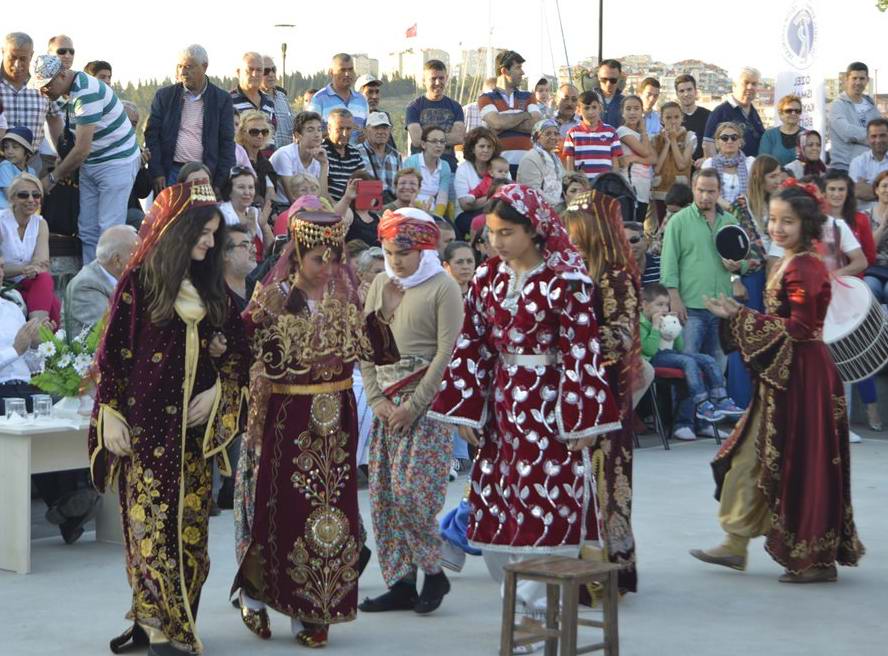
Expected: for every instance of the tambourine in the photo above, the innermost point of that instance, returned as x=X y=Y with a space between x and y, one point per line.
x=732 y=242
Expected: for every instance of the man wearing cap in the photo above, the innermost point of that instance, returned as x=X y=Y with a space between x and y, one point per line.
x=21 y=104
x=510 y=112
x=283 y=115
x=339 y=94
x=17 y=147
x=435 y=108
x=370 y=88
x=381 y=160
x=105 y=148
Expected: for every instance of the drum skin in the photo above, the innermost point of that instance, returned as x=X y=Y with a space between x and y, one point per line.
x=855 y=330
x=732 y=243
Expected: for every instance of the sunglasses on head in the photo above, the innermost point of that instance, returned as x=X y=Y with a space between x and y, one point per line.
x=65 y=51
x=729 y=137
x=610 y=80
x=255 y=132
x=792 y=110
x=25 y=195
x=239 y=170
x=269 y=71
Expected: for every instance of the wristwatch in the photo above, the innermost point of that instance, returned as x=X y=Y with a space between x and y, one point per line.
x=52 y=178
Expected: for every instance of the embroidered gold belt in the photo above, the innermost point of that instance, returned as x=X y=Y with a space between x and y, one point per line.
x=307 y=390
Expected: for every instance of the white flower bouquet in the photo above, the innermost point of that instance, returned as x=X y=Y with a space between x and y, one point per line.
x=66 y=362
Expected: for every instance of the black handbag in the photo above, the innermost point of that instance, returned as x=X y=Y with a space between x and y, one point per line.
x=61 y=207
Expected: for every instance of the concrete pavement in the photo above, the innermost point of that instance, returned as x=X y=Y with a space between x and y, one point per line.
x=74 y=600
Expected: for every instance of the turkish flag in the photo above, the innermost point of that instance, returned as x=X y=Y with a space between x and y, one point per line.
x=411 y=31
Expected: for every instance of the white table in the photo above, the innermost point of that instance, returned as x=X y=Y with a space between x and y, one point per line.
x=36 y=447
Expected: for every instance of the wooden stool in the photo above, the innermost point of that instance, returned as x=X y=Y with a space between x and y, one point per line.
x=568 y=574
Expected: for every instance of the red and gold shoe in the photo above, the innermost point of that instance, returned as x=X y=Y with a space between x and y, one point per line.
x=314 y=636
x=256 y=621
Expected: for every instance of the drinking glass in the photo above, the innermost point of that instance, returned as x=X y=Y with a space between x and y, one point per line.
x=15 y=406
x=42 y=405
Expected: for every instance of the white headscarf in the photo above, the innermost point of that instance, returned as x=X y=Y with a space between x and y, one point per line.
x=429 y=262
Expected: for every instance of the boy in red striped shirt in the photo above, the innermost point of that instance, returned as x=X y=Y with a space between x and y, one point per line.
x=592 y=147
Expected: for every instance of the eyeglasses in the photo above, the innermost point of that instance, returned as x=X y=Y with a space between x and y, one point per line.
x=25 y=195
x=729 y=137
x=65 y=51
x=608 y=80
x=239 y=170
x=248 y=246
x=437 y=142
x=255 y=132
x=269 y=71
x=634 y=239
x=792 y=110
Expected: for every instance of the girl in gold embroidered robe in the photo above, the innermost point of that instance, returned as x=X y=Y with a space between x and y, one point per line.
x=164 y=408
x=785 y=472
x=594 y=223
x=299 y=532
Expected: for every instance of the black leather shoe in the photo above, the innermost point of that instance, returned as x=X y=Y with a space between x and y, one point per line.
x=130 y=640
x=401 y=596
x=73 y=505
x=434 y=588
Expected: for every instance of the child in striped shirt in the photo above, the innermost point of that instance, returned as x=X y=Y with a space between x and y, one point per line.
x=592 y=147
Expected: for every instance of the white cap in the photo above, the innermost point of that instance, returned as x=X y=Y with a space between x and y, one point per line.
x=378 y=118
x=366 y=79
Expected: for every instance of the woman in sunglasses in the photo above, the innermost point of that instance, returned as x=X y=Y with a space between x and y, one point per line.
x=730 y=162
x=24 y=245
x=781 y=142
x=254 y=133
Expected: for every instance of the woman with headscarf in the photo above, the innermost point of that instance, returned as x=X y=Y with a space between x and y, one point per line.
x=410 y=454
x=540 y=168
x=595 y=225
x=299 y=537
x=527 y=384
x=164 y=408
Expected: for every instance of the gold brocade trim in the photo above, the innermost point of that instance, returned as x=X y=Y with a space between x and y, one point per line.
x=100 y=443
x=307 y=390
x=754 y=337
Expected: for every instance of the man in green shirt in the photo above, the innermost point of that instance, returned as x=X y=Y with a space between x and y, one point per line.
x=691 y=268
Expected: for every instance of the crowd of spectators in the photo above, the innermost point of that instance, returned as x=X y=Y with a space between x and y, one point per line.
x=690 y=171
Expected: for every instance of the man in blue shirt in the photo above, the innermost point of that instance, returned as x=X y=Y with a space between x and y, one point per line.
x=339 y=93
x=738 y=108
x=610 y=74
x=435 y=108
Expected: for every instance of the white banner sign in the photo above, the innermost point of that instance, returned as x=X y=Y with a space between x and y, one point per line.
x=802 y=76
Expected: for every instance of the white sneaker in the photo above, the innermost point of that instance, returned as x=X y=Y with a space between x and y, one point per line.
x=684 y=433
x=708 y=430
x=454 y=469
x=452 y=557
x=854 y=438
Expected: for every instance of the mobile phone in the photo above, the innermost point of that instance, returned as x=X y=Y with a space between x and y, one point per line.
x=277 y=247
x=369 y=195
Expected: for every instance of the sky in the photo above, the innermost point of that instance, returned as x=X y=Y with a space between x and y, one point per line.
x=668 y=30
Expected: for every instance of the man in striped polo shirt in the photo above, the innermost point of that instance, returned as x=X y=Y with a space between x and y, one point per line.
x=508 y=111
x=344 y=159
x=105 y=148
x=592 y=147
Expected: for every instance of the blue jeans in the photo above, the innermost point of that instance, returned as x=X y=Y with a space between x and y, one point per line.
x=878 y=287
x=701 y=335
x=104 y=195
x=702 y=376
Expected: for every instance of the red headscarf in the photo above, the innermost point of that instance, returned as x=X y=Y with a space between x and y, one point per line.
x=169 y=205
x=558 y=252
x=410 y=228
